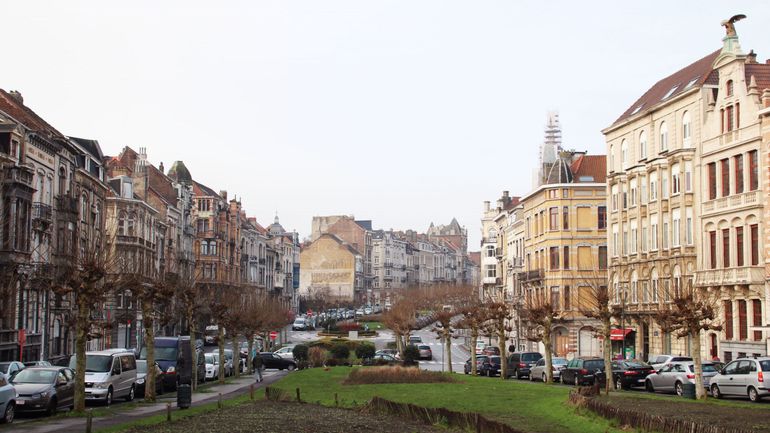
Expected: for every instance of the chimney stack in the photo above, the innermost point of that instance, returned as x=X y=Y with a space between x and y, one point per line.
x=15 y=94
x=751 y=58
x=486 y=206
x=160 y=167
x=223 y=194
x=505 y=194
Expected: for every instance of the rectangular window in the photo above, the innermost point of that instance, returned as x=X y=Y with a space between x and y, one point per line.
x=566 y=257
x=664 y=243
x=567 y=300
x=615 y=249
x=713 y=249
x=688 y=176
x=688 y=226
x=675 y=179
x=555 y=297
x=554 y=257
x=756 y=310
x=584 y=258
x=643 y=190
x=634 y=236
x=712 y=167
x=625 y=241
x=603 y=257
x=645 y=241
x=653 y=186
x=634 y=292
x=726 y=248
x=654 y=232
x=664 y=184
x=553 y=214
x=602 y=217
x=743 y=324
x=725 y=168
x=584 y=220
x=675 y=223
x=754 y=245
x=753 y=171
x=565 y=218
x=729 y=118
x=728 y=307
x=739 y=246
x=738 y=164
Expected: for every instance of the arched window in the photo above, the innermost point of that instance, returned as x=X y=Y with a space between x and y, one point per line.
x=686 y=128
x=642 y=145
x=624 y=153
x=62 y=181
x=663 y=137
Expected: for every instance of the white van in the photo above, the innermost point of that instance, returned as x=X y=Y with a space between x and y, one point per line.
x=110 y=374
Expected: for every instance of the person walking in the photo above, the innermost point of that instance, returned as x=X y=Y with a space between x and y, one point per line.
x=256 y=364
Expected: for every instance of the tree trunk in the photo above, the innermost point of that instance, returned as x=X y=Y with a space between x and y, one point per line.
x=700 y=391
x=82 y=326
x=248 y=354
x=503 y=355
x=607 y=352
x=548 y=355
x=474 y=337
x=193 y=350
x=449 y=352
x=221 y=344
x=236 y=358
x=149 y=343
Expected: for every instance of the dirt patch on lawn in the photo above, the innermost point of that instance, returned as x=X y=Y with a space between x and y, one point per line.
x=269 y=417
x=728 y=417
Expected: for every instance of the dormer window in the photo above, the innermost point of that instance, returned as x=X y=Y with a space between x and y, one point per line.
x=127 y=188
x=729 y=88
x=670 y=92
x=637 y=109
x=691 y=83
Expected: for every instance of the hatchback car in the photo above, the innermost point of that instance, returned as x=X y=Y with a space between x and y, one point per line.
x=743 y=377
x=38 y=364
x=44 y=389
x=11 y=368
x=538 y=371
x=520 y=363
x=627 y=373
x=480 y=359
x=491 y=366
x=415 y=339
x=212 y=366
x=286 y=352
x=382 y=359
x=672 y=377
x=7 y=400
x=581 y=370
x=392 y=352
x=425 y=352
x=657 y=362
x=141 y=378
x=271 y=360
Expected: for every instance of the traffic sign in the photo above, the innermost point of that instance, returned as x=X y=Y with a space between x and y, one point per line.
x=273 y=335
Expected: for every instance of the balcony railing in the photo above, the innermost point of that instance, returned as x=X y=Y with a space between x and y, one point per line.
x=42 y=212
x=534 y=275
x=65 y=203
x=745 y=199
x=730 y=276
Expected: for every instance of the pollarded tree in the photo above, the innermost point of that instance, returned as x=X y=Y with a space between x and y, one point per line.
x=400 y=319
x=474 y=319
x=192 y=300
x=221 y=305
x=499 y=316
x=690 y=312
x=542 y=315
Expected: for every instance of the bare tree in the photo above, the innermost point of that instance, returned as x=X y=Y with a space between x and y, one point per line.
x=193 y=302
x=474 y=319
x=541 y=316
x=690 y=312
x=154 y=296
x=445 y=332
x=594 y=302
x=220 y=306
x=400 y=319
x=499 y=315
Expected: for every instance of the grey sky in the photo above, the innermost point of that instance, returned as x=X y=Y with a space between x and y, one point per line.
x=404 y=112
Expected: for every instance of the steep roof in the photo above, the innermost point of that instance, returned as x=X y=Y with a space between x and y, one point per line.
x=180 y=173
x=23 y=114
x=760 y=72
x=202 y=190
x=590 y=168
x=680 y=81
x=475 y=257
x=91 y=146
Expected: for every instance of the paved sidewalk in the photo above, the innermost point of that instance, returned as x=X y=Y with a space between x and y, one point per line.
x=78 y=425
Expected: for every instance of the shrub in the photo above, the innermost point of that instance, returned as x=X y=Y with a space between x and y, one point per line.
x=300 y=352
x=411 y=354
x=349 y=326
x=316 y=356
x=340 y=351
x=371 y=375
x=365 y=351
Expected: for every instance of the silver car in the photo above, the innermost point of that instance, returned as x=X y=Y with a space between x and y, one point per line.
x=659 y=361
x=671 y=377
x=538 y=371
x=744 y=377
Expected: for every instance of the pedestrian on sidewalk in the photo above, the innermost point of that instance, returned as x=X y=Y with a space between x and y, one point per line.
x=256 y=364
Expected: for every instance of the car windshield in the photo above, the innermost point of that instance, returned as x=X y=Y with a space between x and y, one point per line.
x=209 y=358
x=423 y=347
x=141 y=366
x=95 y=363
x=594 y=363
x=161 y=353
x=681 y=358
x=632 y=364
x=494 y=359
x=530 y=357
x=31 y=375
x=765 y=365
x=480 y=358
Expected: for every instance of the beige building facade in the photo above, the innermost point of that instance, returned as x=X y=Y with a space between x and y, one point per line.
x=330 y=269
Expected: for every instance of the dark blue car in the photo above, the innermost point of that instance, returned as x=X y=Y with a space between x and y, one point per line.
x=167 y=354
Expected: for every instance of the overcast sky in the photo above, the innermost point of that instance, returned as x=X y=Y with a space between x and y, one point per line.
x=403 y=112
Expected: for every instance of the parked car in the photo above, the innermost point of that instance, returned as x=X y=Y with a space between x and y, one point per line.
x=480 y=345
x=672 y=376
x=299 y=324
x=359 y=312
x=520 y=363
x=491 y=350
x=141 y=377
x=44 y=389
x=7 y=400
x=415 y=339
x=380 y=358
x=211 y=361
x=657 y=362
x=167 y=354
x=425 y=352
x=271 y=360
x=367 y=311
x=479 y=361
x=38 y=364
x=627 y=373
x=538 y=371
x=743 y=377
x=581 y=370
x=109 y=374
x=392 y=352
x=286 y=352
x=11 y=368
x=491 y=366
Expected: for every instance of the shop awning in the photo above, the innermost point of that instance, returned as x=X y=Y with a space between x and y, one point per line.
x=620 y=334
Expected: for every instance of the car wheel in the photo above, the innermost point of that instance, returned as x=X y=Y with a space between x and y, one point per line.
x=108 y=399
x=754 y=395
x=9 y=415
x=291 y=367
x=577 y=380
x=678 y=389
x=130 y=395
x=51 y=410
x=648 y=386
x=544 y=378
x=715 y=391
x=618 y=383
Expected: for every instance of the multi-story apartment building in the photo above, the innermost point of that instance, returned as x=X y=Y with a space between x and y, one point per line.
x=493 y=222
x=331 y=269
x=683 y=185
x=389 y=264
x=356 y=233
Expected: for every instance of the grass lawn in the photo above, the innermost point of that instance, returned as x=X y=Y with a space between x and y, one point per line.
x=530 y=407
x=373 y=326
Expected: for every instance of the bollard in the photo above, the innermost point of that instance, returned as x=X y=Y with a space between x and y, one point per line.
x=298 y=399
x=89 y=420
x=267 y=393
x=251 y=392
x=336 y=400
x=219 y=401
x=168 y=412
